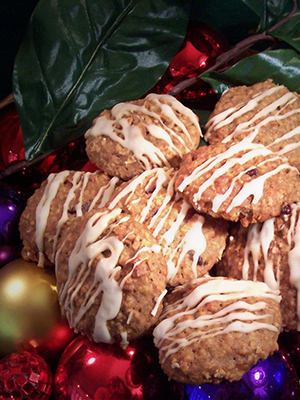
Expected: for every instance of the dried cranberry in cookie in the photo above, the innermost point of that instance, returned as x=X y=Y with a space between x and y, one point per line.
x=212 y=329
x=139 y=135
x=238 y=181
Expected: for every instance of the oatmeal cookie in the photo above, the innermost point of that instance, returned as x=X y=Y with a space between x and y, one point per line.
x=139 y=135
x=192 y=243
x=269 y=252
x=62 y=196
x=238 y=181
x=265 y=113
x=212 y=329
x=111 y=276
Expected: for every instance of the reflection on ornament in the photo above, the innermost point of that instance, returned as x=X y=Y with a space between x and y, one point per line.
x=199 y=50
x=24 y=375
x=100 y=371
x=30 y=314
x=12 y=203
x=8 y=253
x=271 y=379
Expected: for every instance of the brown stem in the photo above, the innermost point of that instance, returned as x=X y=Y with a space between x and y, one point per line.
x=222 y=59
x=286 y=18
x=233 y=52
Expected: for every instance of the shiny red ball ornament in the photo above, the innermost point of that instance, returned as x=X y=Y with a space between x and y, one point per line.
x=199 y=50
x=25 y=375
x=109 y=372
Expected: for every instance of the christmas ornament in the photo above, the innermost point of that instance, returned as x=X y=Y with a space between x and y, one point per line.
x=11 y=140
x=29 y=311
x=24 y=375
x=8 y=253
x=199 y=50
x=290 y=342
x=108 y=372
x=271 y=379
x=12 y=203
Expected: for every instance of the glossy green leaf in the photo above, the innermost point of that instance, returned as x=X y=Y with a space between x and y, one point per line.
x=283 y=66
x=82 y=56
x=290 y=31
x=269 y=11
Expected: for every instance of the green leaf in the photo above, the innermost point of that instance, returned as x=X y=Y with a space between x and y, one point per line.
x=269 y=11
x=82 y=56
x=290 y=31
x=283 y=66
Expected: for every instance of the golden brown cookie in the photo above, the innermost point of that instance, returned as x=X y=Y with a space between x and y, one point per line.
x=265 y=113
x=62 y=196
x=111 y=276
x=192 y=243
x=238 y=181
x=212 y=329
x=142 y=134
x=269 y=252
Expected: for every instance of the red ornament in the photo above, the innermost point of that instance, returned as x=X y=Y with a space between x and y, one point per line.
x=108 y=372
x=199 y=50
x=24 y=375
x=11 y=140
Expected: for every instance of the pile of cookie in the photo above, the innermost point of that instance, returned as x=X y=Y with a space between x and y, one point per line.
x=197 y=246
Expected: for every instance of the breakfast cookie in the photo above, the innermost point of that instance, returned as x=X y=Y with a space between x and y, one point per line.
x=192 y=243
x=111 y=276
x=62 y=196
x=238 y=181
x=215 y=329
x=142 y=134
x=265 y=113
x=269 y=252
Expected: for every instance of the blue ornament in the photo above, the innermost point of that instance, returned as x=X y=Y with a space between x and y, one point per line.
x=271 y=379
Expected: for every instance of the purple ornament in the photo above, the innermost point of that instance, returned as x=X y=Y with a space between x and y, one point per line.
x=12 y=203
x=7 y=254
x=271 y=379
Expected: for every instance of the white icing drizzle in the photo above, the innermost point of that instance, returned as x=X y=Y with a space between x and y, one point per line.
x=259 y=240
x=131 y=136
x=193 y=241
x=43 y=209
x=239 y=153
x=158 y=302
x=83 y=259
x=78 y=183
x=270 y=113
x=239 y=316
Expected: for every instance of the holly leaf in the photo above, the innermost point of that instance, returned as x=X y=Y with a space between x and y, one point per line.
x=82 y=56
x=282 y=66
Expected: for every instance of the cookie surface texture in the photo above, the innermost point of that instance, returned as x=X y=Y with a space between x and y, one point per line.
x=269 y=252
x=213 y=329
x=265 y=113
x=142 y=134
x=64 y=195
x=192 y=243
x=110 y=276
x=243 y=181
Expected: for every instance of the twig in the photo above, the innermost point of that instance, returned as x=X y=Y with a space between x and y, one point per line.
x=239 y=48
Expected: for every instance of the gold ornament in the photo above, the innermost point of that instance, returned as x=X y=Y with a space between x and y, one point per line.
x=29 y=306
